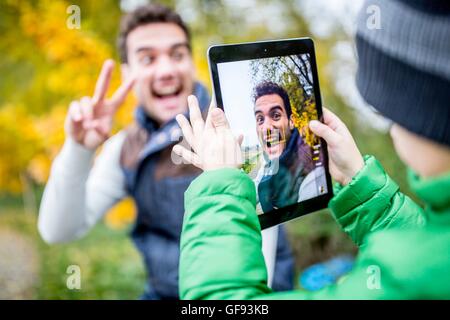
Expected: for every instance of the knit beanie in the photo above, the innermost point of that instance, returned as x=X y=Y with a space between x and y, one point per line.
x=404 y=63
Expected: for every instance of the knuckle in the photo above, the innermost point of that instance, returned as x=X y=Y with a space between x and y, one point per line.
x=74 y=106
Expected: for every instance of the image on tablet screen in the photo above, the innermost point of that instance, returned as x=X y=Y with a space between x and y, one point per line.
x=270 y=101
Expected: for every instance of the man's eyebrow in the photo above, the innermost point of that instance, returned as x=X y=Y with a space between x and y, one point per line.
x=277 y=107
x=172 y=47
x=140 y=49
x=181 y=45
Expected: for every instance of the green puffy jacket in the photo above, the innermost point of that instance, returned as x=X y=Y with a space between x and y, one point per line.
x=404 y=250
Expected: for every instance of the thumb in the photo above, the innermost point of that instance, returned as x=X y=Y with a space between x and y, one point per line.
x=324 y=131
x=218 y=119
x=240 y=139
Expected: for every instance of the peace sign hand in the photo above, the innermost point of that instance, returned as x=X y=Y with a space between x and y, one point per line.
x=89 y=121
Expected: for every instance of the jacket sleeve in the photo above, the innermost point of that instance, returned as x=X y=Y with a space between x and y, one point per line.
x=371 y=202
x=373 y=277
x=78 y=192
x=221 y=255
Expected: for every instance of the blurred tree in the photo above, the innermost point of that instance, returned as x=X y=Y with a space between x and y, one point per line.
x=45 y=66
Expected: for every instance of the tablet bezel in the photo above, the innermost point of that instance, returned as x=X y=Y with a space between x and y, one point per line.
x=267 y=49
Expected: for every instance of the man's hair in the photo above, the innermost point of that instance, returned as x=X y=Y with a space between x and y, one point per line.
x=267 y=87
x=152 y=13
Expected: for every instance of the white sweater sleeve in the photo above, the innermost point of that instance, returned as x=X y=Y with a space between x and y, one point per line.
x=78 y=194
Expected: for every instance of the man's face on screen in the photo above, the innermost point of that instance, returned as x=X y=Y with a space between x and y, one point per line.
x=159 y=54
x=272 y=124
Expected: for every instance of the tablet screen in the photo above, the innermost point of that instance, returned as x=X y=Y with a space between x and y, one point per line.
x=270 y=101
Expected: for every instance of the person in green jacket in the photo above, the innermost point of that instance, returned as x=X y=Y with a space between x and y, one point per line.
x=404 y=249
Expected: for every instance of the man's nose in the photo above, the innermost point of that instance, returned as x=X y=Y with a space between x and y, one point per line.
x=268 y=128
x=165 y=68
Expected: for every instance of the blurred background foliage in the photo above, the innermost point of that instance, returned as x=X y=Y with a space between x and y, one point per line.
x=45 y=65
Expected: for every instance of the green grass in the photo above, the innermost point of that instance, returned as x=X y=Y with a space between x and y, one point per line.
x=111 y=268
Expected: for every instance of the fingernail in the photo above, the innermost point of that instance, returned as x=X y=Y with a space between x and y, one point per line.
x=313 y=124
x=216 y=114
x=109 y=62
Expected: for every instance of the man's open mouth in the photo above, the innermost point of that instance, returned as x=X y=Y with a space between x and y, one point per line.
x=273 y=139
x=164 y=93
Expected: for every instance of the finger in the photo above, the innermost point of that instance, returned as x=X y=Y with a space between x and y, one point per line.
x=101 y=126
x=103 y=130
x=90 y=124
x=187 y=155
x=103 y=81
x=333 y=121
x=218 y=119
x=186 y=129
x=213 y=103
x=212 y=106
x=75 y=113
x=121 y=93
x=324 y=131
x=240 y=139
x=195 y=116
x=86 y=107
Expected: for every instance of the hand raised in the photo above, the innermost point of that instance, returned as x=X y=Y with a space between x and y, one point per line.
x=212 y=142
x=344 y=156
x=89 y=120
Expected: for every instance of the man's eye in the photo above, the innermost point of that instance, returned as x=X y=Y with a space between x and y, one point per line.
x=146 y=60
x=177 y=56
x=276 y=116
x=259 y=120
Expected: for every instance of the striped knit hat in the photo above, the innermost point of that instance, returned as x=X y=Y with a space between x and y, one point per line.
x=404 y=63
